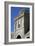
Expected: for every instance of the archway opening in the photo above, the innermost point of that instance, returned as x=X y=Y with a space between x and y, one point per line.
x=18 y=37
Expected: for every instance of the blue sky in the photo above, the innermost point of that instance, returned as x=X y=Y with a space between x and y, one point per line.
x=14 y=13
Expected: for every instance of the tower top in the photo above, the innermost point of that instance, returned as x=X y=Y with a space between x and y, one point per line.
x=21 y=14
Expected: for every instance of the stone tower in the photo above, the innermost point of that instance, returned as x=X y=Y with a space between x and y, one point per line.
x=19 y=25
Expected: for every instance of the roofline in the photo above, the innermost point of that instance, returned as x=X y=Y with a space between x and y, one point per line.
x=17 y=17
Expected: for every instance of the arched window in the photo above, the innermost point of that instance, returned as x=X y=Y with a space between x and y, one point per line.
x=18 y=37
